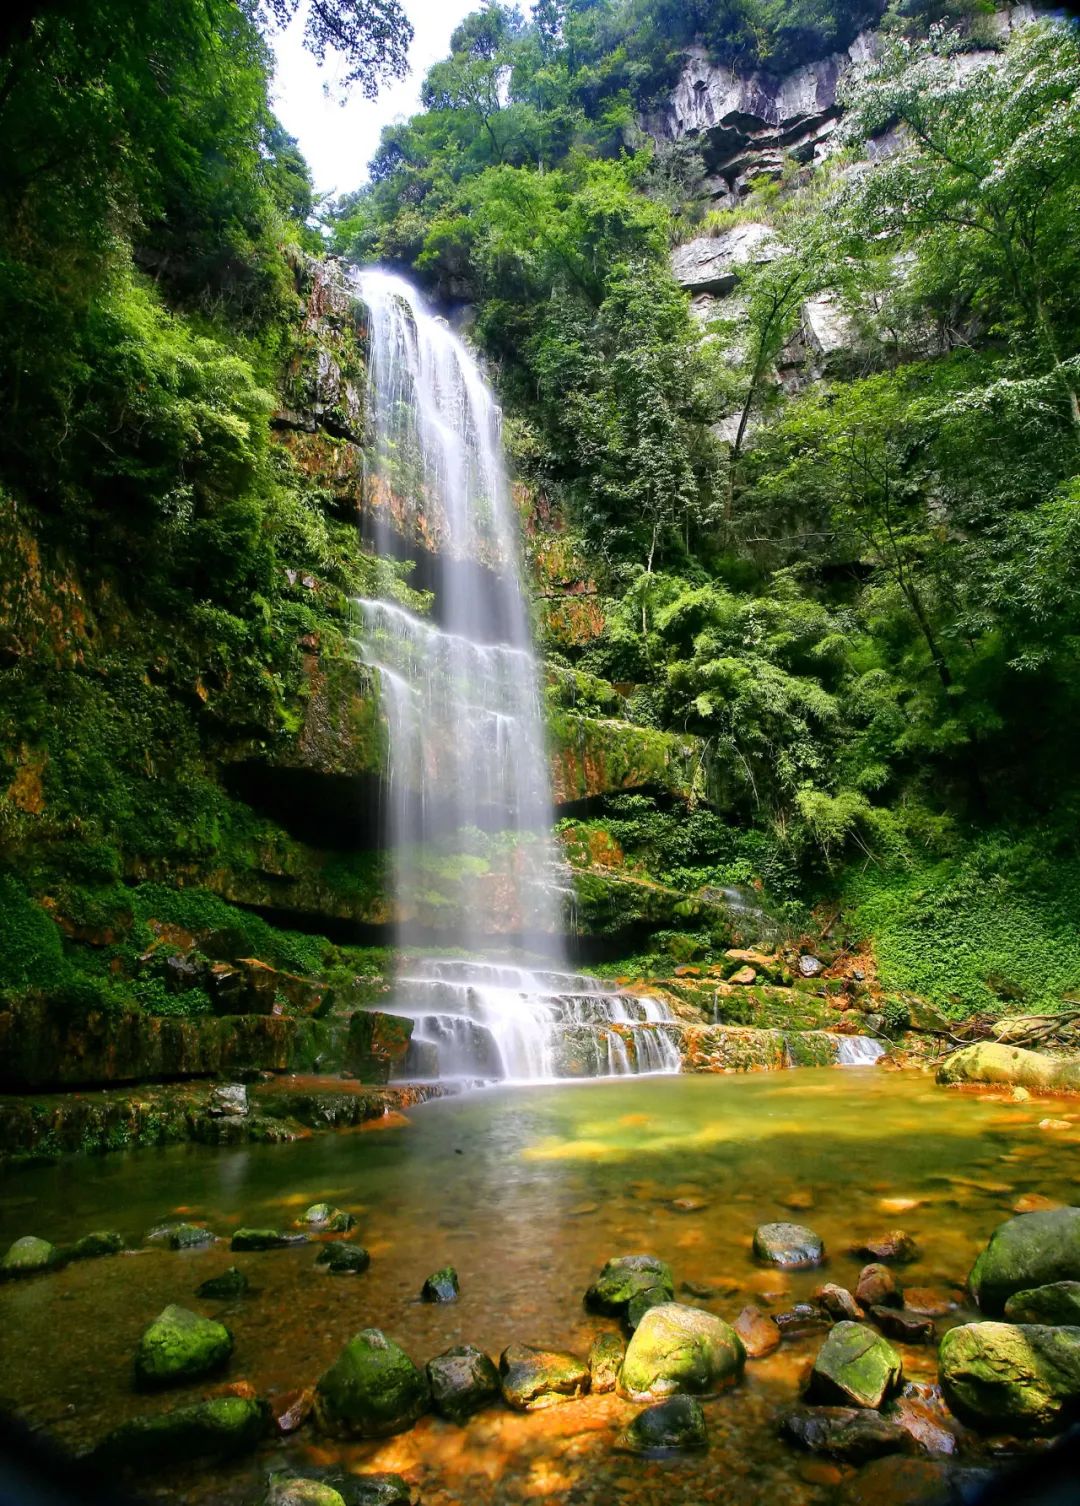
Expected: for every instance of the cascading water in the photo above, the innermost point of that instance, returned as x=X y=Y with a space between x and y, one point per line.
x=467 y=768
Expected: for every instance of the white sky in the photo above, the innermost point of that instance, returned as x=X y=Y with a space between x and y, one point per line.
x=339 y=140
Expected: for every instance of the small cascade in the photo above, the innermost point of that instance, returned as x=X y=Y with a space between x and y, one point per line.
x=467 y=764
x=858 y=1051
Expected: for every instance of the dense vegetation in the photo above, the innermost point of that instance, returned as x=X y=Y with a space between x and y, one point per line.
x=858 y=590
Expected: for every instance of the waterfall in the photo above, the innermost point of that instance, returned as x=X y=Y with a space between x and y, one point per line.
x=858 y=1051
x=467 y=775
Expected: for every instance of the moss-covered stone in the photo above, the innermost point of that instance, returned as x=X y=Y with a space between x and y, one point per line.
x=677 y=1348
x=327 y=1219
x=1057 y=1304
x=180 y=1346
x=342 y=1259
x=1009 y=1377
x=28 y=1256
x=462 y=1380
x=855 y=1367
x=623 y=1277
x=266 y=1239
x=93 y=1246
x=218 y=1429
x=290 y=1490
x=1036 y=1249
x=640 y=1303
x=441 y=1286
x=534 y=1379
x=189 y=1237
x=674 y=1426
x=605 y=1361
x=992 y=1062
x=231 y=1283
x=790 y=1246
x=850 y=1434
x=372 y=1390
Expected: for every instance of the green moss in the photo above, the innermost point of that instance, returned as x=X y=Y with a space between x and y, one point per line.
x=31 y=946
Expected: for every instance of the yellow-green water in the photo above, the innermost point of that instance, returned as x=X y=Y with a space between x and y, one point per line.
x=526 y=1192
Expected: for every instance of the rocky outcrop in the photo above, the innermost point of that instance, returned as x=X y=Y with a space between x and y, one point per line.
x=713 y=263
x=995 y=1064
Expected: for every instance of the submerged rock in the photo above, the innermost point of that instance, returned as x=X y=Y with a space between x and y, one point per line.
x=893 y=1248
x=292 y=1409
x=804 y=1317
x=1034 y=1249
x=342 y=1259
x=217 y=1429
x=231 y=1283
x=180 y=1346
x=379 y=1490
x=462 y=1381
x=623 y=1277
x=1011 y=1377
x=790 y=1246
x=266 y=1239
x=532 y=1379
x=290 y=1490
x=850 y=1434
x=855 y=1367
x=186 y=1237
x=327 y=1219
x=673 y=1426
x=441 y=1286
x=1057 y=1305
x=373 y=1389
x=94 y=1246
x=837 y=1301
x=759 y=1333
x=905 y=1326
x=605 y=1361
x=677 y=1348
x=877 y=1287
x=899 y=1482
x=27 y=1257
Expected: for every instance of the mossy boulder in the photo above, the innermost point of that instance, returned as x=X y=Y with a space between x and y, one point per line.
x=640 y=1303
x=605 y=1361
x=533 y=1379
x=995 y=1064
x=327 y=1219
x=855 y=1367
x=673 y=1426
x=188 y=1237
x=1035 y=1249
x=231 y=1283
x=372 y=1390
x=680 y=1349
x=218 y=1429
x=341 y=1259
x=441 y=1286
x=180 y=1346
x=623 y=1278
x=28 y=1257
x=462 y=1381
x=1006 y=1377
x=94 y=1246
x=290 y=1490
x=266 y=1239
x=1057 y=1304
x=791 y=1246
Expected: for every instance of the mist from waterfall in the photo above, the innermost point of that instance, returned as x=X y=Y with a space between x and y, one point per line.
x=460 y=693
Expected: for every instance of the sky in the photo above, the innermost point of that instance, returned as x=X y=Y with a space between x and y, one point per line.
x=339 y=140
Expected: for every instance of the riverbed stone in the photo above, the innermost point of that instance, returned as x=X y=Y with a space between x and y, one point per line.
x=904 y=1326
x=231 y=1283
x=267 y=1239
x=996 y=1064
x=188 y=1237
x=676 y=1348
x=855 y=1367
x=1033 y=1249
x=180 y=1346
x=327 y=1219
x=892 y=1248
x=27 y=1257
x=372 y=1390
x=532 y=1379
x=218 y=1429
x=291 y=1490
x=342 y=1259
x=462 y=1380
x=94 y=1246
x=899 y=1482
x=673 y=1426
x=758 y=1331
x=441 y=1286
x=623 y=1277
x=640 y=1302
x=1011 y=1377
x=605 y=1361
x=1057 y=1305
x=837 y=1301
x=850 y=1434
x=876 y=1287
x=791 y=1246
x=380 y=1489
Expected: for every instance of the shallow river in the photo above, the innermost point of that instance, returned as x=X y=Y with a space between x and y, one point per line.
x=526 y=1192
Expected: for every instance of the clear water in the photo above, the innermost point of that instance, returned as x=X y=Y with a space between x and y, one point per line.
x=527 y=1191
x=460 y=694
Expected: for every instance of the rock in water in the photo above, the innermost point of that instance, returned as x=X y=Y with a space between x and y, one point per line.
x=373 y=1389
x=216 y=1429
x=462 y=1381
x=674 y=1426
x=94 y=1246
x=180 y=1346
x=676 y=1348
x=877 y=1287
x=28 y=1256
x=327 y=1219
x=640 y=1302
x=231 y=1283
x=900 y=1482
x=907 y=1327
x=266 y=1239
x=188 y=1237
x=791 y=1246
x=1034 y=1249
x=837 y=1301
x=1057 y=1305
x=855 y=1367
x=846 y=1433
x=625 y=1276
x=759 y=1333
x=605 y=1361
x=893 y=1248
x=1007 y=1377
x=289 y=1490
x=995 y=1063
x=341 y=1259
x=379 y=1490
x=441 y=1286
x=533 y=1379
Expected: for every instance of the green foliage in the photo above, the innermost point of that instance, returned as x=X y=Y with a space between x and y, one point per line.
x=31 y=946
x=197 y=910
